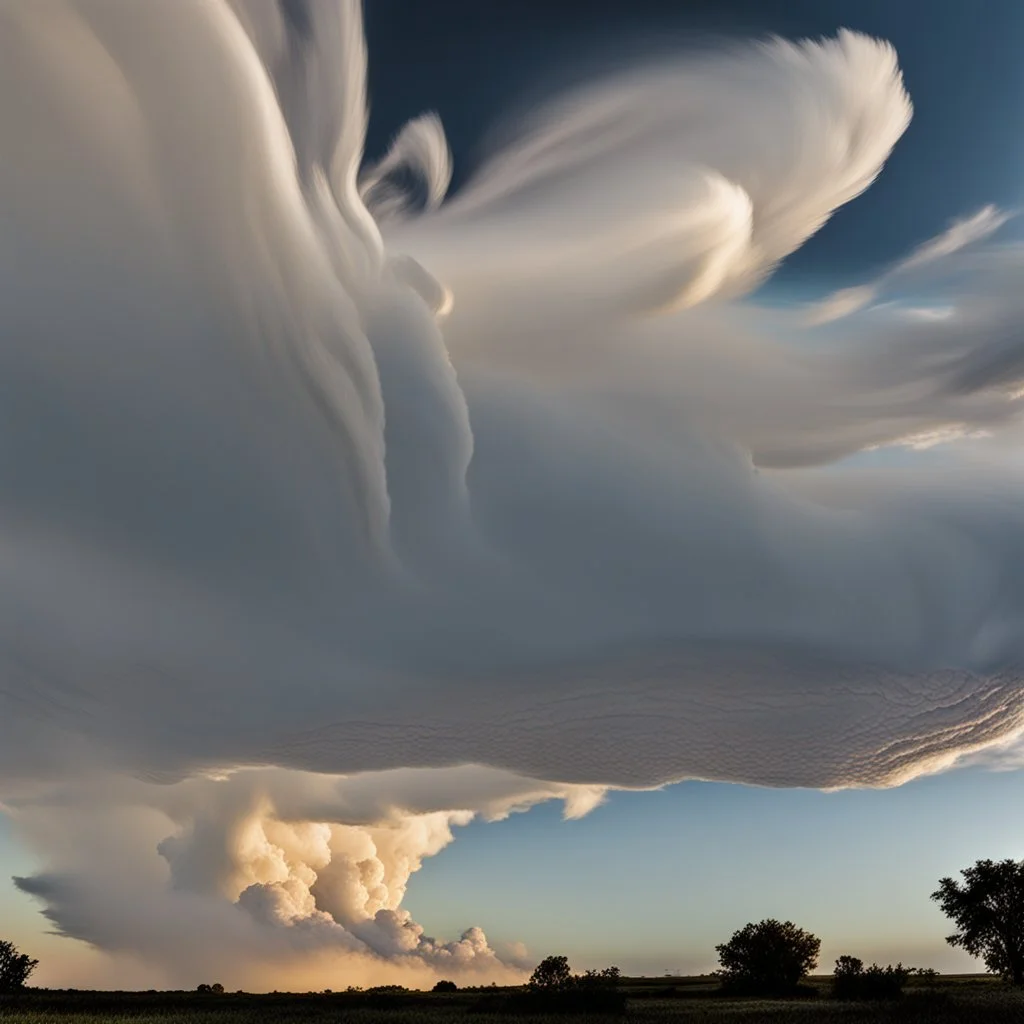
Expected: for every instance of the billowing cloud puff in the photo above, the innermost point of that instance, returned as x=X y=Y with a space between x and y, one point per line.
x=306 y=473
x=252 y=877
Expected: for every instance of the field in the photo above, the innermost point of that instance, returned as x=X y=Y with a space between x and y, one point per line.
x=966 y=999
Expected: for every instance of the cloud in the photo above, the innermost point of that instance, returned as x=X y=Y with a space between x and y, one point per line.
x=644 y=192
x=419 y=150
x=842 y=303
x=246 y=877
x=959 y=235
x=270 y=531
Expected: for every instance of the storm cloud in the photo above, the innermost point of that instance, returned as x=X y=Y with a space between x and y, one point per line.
x=307 y=472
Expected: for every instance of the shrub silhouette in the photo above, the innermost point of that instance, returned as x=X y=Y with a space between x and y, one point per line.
x=851 y=980
x=553 y=988
x=988 y=910
x=768 y=958
x=15 y=968
x=446 y=986
x=605 y=979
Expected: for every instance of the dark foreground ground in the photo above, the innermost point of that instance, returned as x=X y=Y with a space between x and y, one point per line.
x=968 y=999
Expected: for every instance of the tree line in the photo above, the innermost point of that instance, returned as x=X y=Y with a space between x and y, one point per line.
x=773 y=957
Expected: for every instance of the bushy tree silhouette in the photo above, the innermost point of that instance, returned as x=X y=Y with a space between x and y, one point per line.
x=768 y=957
x=552 y=974
x=15 y=968
x=446 y=986
x=988 y=910
x=848 y=965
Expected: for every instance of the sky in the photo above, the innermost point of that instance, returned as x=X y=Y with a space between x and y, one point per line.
x=572 y=508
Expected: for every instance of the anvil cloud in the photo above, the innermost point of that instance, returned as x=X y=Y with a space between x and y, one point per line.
x=305 y=473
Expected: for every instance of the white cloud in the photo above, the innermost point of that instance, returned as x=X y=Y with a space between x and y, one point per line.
x=842 y=303
x=959 y=235
x=927 y=312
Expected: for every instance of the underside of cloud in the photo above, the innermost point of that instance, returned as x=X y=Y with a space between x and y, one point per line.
x=306 y=469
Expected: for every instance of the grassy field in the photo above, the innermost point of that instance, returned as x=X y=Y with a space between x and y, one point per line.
x=970 y=1000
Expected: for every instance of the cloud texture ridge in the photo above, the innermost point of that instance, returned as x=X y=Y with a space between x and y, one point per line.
x=308 y=476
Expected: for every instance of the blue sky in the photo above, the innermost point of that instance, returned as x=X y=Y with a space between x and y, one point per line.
x=652 y=881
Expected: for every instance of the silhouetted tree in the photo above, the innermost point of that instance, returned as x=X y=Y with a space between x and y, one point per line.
x=848 y=965
x=446 y=986
x=768 y=957
x=988 y=910
x=15 y=968
x=552 y=974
